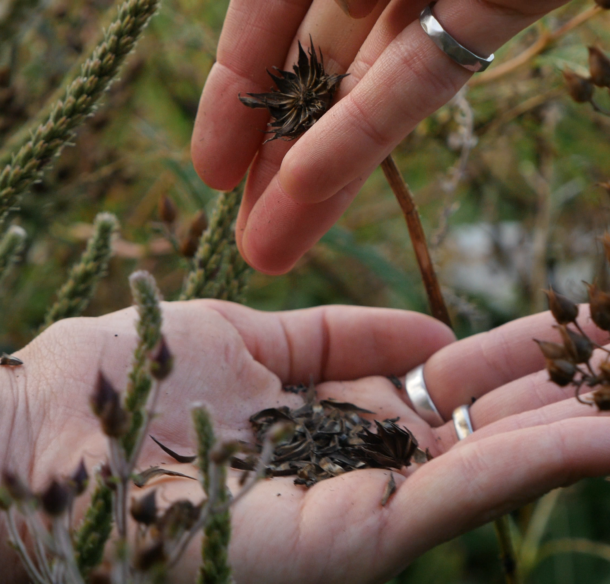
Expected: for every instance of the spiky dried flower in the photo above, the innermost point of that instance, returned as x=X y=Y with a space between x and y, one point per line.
x=301 y=99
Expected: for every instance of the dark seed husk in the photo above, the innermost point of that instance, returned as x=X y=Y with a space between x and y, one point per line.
x=301 y=98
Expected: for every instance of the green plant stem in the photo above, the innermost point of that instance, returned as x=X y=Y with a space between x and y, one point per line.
x=202 y=281
x=76 y=293
x=80 y=99
x=11 y=246
x=418 y=239
x=147 y=298
x=508 y=558
x=577 y=546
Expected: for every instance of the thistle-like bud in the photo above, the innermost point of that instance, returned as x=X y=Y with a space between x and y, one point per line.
x=55 y=499
x=552 y=350
x=106 y=405
x=561 y=372
x=144 y=509
x=162 y=361
x=562 y=308
x=167 y=210
x=579 y=347
x=79 y=479
x=580 y=88
x=15 y=487
x=605 y=4
x=222 y=452
x=599 y=67
x=599 y=303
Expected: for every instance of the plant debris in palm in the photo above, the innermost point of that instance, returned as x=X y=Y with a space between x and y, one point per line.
x=331 y=438
x=301 y=98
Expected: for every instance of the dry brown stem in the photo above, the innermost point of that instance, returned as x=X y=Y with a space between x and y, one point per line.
x=545 y=39
x=418 y=239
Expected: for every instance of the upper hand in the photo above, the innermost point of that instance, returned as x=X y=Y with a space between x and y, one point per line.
x=297 y=190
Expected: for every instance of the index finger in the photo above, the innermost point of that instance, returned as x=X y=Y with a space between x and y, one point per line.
x=226 y=134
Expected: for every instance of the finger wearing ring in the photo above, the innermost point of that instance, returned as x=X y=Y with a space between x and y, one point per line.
x=446 y=43
x=462 y=422
x=417 y=391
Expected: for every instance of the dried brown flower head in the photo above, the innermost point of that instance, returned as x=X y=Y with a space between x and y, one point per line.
x=301 y=99
x=580 y=88
x=599 y=67
x=562 y=308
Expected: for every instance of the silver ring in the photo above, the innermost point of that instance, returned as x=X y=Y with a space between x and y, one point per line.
x=446 y=43
x=462 y=422
x=420 y=398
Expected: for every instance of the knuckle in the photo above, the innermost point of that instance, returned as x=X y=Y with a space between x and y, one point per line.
x=360 y=119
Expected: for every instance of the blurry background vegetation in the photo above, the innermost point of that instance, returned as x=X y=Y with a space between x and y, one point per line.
x=506 y=178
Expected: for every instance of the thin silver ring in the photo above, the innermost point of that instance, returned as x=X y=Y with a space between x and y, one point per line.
x=462 y=422
x=446 y=43
x=420 y=398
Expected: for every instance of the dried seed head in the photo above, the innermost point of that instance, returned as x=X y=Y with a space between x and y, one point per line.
x=579 y=347
x=144 y=509
x=301 y=99
x=580 y=88
x=15 y=487
x=221 y=453
x=55 y=499
x=79 y=479
x=599 y=67
x=605 y=4
x=599 y=303
x=162 y=361
x=106 y=405
x=601 y=398
x=167 y=209
x=552 y=350
x=562 y=308
x=561 y=372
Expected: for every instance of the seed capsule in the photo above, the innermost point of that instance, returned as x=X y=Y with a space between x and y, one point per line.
x=162 y=361
x=144 y=509
x=600 y=307
x=599 y=67
x=561 y=307
x=167 y=210
x=601 y=398
x=561 y=372
x=605 y=4
x=55 y=499
x=579 y=348
x=579 y=87
x=106 y=405
x=552 y=350
x=79 y=480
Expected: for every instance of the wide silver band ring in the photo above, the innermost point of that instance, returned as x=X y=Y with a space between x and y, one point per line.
x=462 y=422
x=420 y=398
x=446 y=43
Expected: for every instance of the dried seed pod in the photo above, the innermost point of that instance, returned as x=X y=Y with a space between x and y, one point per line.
x=605 y=4
x=10 y=361
x=198 y=225
x=561 y=307
x=599 y=67
x=55 y=499
x=144 y=509
x=580 y=88
x=599 y=303
x=188 y=246
x=301 y=99
x=106 y=405
x=162 y=361
x=579 y=347
x=552 y=350
x=167 y=210
x=79 y=479
x=561 y=372
x=601 y=398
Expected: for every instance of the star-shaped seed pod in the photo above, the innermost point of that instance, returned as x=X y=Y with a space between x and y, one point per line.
x=301 y=98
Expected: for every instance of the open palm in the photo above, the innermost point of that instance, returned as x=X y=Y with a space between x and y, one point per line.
x=530 y=436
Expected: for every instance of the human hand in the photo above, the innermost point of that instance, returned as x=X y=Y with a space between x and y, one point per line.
x=297 y=190
x=530 y=436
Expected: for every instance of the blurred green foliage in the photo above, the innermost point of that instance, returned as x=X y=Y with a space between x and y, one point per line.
x=531 y=176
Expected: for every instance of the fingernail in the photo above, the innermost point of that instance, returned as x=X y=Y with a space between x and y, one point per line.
x=343 y=4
